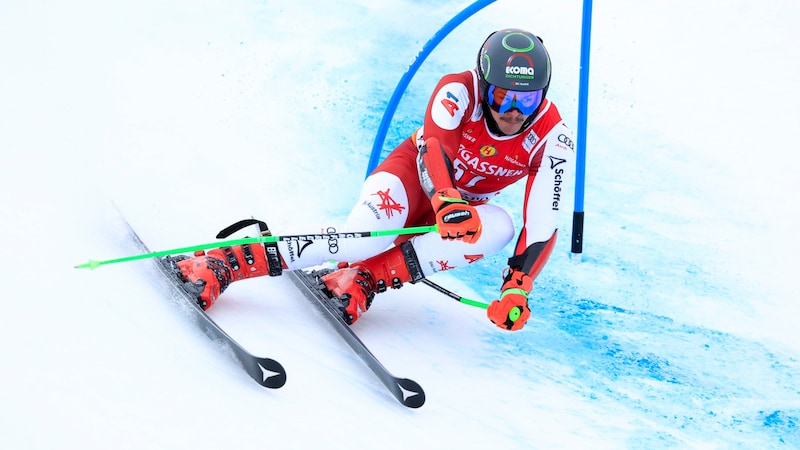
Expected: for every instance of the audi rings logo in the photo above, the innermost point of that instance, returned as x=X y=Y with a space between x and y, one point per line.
x=566 y=141
x=333 y=241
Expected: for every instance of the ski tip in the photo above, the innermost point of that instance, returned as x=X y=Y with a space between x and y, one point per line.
x=411 y=393
x=272 y=375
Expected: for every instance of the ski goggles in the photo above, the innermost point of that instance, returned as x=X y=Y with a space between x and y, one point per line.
x=504 y=100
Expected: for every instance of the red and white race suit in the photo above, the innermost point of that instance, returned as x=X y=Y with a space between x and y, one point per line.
x=483 y=164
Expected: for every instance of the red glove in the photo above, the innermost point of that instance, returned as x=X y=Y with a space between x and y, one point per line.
x=512 y=311
x=456 y=218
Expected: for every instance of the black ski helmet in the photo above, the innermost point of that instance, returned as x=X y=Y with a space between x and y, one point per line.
x=513 y=59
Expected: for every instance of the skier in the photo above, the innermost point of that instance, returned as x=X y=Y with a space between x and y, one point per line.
x=484 y=129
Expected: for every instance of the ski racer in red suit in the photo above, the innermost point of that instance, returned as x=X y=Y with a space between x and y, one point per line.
x=484 y=129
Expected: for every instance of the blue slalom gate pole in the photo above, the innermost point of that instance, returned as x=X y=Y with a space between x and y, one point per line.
x=377 y=146
x=583 y=106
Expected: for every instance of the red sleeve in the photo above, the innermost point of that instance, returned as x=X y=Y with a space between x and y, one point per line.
x=550 y=167
x=532 y=258
x=452 y=104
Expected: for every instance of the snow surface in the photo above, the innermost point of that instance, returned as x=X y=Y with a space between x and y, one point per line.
x=677 y=330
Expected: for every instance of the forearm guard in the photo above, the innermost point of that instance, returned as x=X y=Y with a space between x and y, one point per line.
x=435 y=168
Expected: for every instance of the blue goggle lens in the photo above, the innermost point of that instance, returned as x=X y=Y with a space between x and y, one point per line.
x=504 y=100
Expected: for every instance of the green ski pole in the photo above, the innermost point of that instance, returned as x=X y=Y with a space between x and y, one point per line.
x=93 y=264
x=455 y=296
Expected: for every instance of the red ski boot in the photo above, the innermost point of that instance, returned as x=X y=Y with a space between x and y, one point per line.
x=355 y=285
x=208 y=274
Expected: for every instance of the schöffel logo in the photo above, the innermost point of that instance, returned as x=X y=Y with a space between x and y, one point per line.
x=557 y=179
x=554 y=162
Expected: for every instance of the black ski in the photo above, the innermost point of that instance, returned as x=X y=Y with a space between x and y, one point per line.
x=265 y=371
x=406 y=391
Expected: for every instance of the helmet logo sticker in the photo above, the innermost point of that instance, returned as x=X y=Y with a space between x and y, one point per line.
x=486 y=63
x=513 y=48
x=519 y=66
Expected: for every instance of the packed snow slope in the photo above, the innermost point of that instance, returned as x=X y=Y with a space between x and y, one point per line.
x=676 y=330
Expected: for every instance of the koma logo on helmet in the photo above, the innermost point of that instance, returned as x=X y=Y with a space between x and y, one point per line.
x=516 y=70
